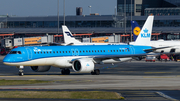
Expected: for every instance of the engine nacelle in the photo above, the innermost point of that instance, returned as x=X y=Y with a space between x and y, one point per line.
x=83 y=65
x=40 y=68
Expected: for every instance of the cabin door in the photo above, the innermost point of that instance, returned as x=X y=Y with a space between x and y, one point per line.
x=29 y=53
x=132 y=50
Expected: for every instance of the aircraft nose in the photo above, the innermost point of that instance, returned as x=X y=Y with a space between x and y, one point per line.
x=6 y=59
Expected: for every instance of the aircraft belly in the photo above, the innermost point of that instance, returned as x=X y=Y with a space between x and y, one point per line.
x=117 y=60
x=35 y=62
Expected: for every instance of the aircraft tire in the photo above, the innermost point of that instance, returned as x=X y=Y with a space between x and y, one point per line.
x=92 y=73
x=95 y=72
x=21 y=73
x=65 y=71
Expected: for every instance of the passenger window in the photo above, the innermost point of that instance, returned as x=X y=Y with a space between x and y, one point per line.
x=104 y=50
x=53 y=51
x=57 y=51
x=35 y=52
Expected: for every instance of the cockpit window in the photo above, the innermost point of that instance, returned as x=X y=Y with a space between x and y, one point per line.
x=15 y=52
x=19 y=52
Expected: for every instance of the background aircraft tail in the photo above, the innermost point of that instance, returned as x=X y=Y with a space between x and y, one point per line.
x=135 y=29
x=145 y=34
x=68 y=37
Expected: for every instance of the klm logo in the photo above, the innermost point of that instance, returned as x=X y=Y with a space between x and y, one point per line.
x=145 y=34
x=68 y=34
x=87 y=65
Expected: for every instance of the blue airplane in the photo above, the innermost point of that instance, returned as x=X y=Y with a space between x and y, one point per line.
x=80 y=58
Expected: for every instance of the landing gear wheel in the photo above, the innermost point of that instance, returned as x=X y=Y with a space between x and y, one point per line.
x=95 y=72
x=65 y=71
x=21 y=73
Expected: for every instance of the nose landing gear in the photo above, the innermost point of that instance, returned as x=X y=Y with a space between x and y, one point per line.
x=21 y=71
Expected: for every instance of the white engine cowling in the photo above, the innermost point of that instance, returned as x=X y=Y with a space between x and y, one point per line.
x=83 y=65
x=40 y=68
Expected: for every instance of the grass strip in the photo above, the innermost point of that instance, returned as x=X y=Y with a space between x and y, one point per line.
x=21 y=82
x=61 y=94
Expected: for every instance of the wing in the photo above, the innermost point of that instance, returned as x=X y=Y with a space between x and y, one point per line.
x=100 y=58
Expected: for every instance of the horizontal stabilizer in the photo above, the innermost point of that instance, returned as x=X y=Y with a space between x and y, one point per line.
x=153 y=49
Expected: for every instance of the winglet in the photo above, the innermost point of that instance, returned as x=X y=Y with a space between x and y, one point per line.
x=68 y=37
x=145 y=35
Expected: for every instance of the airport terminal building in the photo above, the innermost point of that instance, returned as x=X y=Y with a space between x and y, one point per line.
x=166 y=22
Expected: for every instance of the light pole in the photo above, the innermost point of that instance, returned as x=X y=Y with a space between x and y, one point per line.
x=64 y=12
x=125 y=16
x=58 y=14
x=90 y=9
x=131 y=20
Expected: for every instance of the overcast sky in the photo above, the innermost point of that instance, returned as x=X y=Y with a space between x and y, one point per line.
x=49 y=7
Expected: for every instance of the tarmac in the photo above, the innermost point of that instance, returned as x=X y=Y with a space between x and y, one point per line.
x=135 y=80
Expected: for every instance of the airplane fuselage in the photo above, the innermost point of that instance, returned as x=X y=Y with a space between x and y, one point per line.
x=61 y=56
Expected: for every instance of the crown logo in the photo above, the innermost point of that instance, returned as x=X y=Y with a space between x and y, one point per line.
x=146 y=30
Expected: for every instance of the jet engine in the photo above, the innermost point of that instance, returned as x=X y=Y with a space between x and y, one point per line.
x=40 y=68
x=83 y=65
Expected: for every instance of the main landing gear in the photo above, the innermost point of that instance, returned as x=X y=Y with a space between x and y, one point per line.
x=95 y=72
x=65 y=71
x=21 y=71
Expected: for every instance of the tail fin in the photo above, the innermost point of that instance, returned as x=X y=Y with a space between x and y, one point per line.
x=145 y=34
x=68 y=37
x=135 y=29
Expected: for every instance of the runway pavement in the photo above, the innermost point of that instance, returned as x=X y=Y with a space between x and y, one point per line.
x=127 y=77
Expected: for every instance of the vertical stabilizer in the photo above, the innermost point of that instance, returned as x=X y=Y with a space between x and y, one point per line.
x=68 y=37
x=135 y=29
x=145 y=34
